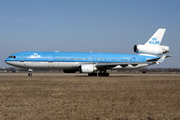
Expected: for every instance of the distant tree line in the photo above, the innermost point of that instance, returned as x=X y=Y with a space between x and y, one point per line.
x=160 y=69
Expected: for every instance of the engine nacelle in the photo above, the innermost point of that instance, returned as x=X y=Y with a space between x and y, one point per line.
x=87 y=68
x=153 y=50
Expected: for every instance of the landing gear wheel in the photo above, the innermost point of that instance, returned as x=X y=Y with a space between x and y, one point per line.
x=103 y=74
x=29 y=74
x=89 y=74
x=107 y=74
x=92 y=74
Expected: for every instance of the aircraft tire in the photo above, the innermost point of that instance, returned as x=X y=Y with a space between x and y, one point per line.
x=92 y=74
x=29 y=74
x=100 y=74
x=107 y=74
x=103 y=74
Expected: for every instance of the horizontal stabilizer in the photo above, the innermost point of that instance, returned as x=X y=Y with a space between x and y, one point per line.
x=157 y=59
x=161 y=59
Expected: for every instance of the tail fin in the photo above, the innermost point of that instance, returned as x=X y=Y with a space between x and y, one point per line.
x=156 y=38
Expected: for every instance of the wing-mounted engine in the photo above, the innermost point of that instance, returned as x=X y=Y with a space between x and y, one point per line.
x=151 y=49
x=87 y=68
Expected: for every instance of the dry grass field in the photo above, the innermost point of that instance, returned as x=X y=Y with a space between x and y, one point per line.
x=78 y=97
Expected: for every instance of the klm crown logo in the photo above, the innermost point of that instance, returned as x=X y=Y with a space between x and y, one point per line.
x=154 y=38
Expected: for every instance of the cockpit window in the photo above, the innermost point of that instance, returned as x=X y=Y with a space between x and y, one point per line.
x=12 y=57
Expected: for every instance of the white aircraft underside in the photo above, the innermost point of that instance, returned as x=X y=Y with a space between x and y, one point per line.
x=65 y=65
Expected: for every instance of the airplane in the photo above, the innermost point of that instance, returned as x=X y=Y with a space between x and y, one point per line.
x=93 y=63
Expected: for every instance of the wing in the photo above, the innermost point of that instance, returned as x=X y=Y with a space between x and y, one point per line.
x=122 y=64
x=125 y=64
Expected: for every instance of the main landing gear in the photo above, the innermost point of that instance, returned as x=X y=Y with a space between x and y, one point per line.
x=103 y=74
x=99 y=74
x=92 y=74
x=30 y=72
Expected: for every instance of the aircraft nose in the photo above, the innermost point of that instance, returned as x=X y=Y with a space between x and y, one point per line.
x=6 y=61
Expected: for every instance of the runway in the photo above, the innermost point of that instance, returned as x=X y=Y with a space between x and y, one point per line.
x=79 y=97
x=85 y=74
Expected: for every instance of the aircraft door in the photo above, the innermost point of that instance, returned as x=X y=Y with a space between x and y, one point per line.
x=90 y=59
x=22 y=59
x=50 y=60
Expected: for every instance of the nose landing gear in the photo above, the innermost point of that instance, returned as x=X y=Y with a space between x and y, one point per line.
x=30 y=72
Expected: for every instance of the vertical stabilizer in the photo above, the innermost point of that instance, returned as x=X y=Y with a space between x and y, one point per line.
x=156 y=38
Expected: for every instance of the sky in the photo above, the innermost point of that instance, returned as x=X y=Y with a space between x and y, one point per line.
x=108 y=26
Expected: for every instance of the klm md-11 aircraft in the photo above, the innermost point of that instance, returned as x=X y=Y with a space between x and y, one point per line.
x=93 y=63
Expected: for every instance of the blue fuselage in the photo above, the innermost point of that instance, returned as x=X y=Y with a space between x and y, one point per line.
x=36 y=56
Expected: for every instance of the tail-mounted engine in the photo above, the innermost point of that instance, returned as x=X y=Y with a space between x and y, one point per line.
x=153 y=50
